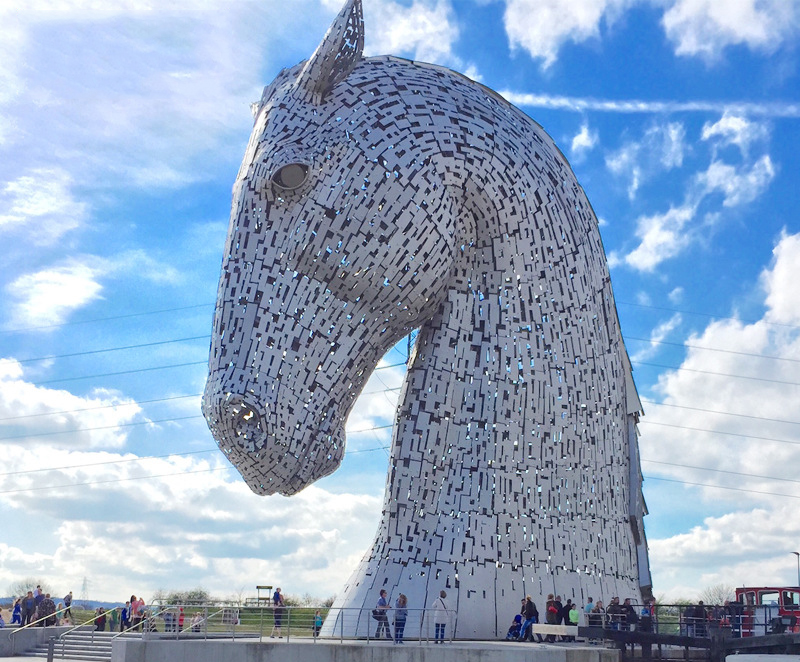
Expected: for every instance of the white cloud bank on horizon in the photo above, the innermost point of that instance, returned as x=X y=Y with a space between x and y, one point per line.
x=749 y=542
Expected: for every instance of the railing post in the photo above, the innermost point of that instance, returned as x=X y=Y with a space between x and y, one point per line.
x=261 y=625
x=51 y=648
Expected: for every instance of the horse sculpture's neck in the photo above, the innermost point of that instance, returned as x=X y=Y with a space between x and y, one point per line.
x=509 y=470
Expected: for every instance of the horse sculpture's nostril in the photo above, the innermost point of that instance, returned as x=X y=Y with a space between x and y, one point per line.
x=244 y=424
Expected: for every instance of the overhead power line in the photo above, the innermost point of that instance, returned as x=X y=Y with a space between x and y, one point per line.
x=162 y=367
x=113 y=480
x=711 y=315
x=721 y=471
x=716 y=374
x=107 y=462
x=722 y=413
x=113 y=406
x=113 y=349
x=102 y=427
x=121 y=372
x=722 y=487
x=711 y=349
x=225 y=468
x=644 y=421
x=107 y=319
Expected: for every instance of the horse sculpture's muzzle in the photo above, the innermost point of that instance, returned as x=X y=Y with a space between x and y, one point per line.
x=278 y=447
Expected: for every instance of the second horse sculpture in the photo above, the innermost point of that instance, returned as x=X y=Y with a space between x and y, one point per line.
x=379 y=195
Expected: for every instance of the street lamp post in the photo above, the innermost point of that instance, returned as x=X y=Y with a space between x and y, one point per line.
x=797 y=554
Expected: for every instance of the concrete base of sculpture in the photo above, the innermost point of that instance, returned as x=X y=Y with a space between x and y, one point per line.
x=360 y=651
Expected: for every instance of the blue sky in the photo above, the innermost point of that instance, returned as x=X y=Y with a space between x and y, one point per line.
x=121 y=132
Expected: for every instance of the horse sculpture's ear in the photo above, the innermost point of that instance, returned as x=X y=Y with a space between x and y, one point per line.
x=336 y=56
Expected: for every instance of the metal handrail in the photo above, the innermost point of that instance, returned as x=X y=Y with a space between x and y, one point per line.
x=29 y=625
x=161 y=610
x=61 y=637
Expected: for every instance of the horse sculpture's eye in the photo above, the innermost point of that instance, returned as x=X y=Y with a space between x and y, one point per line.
x=290 y=176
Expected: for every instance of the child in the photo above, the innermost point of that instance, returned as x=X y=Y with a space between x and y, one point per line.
x=317 y=623
x=514 y=631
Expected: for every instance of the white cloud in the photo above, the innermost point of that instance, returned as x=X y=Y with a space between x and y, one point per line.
x=744 y=548
x=194 y=512
x=665 y=235
x=738 y=186
x=542 y=27
x=657 y=335
x=662 y=236
x=676 y=295
x=639 y=106
x=751 y=437
x=426 y=30
x=732 y=129
x=42 y=204
x=661 y=148
x=48 y=296
x=129 y=104
x=36 y=415
x=780 y=282
x=706 y=27
x=583 y=142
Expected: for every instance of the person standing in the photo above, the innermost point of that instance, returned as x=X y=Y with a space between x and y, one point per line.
x=381 y=616
x=181 y=618
x=574 y=619
x=68 y=606
x=587 y=608
x=531 y=617
x=28 y=608
x=113 y=619
x=317 y=623
x=440 y=617
x=400 y=615
x=16 y=615
x=46 y=611
x=277 y=614
x=125 y=617
x=631 y=618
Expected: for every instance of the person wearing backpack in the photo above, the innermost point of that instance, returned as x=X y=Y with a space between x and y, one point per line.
x=68 y=606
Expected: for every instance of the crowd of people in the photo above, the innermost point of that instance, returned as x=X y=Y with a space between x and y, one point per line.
x=37 y=608
x=441 y=617
x=617 y=616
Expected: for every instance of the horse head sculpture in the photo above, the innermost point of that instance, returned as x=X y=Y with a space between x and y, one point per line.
x=379 y=195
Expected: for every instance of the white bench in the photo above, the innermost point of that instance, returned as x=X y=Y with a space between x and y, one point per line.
x=559 y=630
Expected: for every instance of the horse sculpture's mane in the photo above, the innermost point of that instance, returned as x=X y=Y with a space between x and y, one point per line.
x=379 y=195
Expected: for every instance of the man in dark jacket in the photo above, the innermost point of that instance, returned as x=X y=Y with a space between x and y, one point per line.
x=28 y=608
x=47 y=611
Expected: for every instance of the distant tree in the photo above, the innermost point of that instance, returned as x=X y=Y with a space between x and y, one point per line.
x=195 y=596
x=159 y=596
x=237 y=597
x=328 y=602
x=307 y=599
x=717 y=594
x=292 y=600
x=22 y=586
